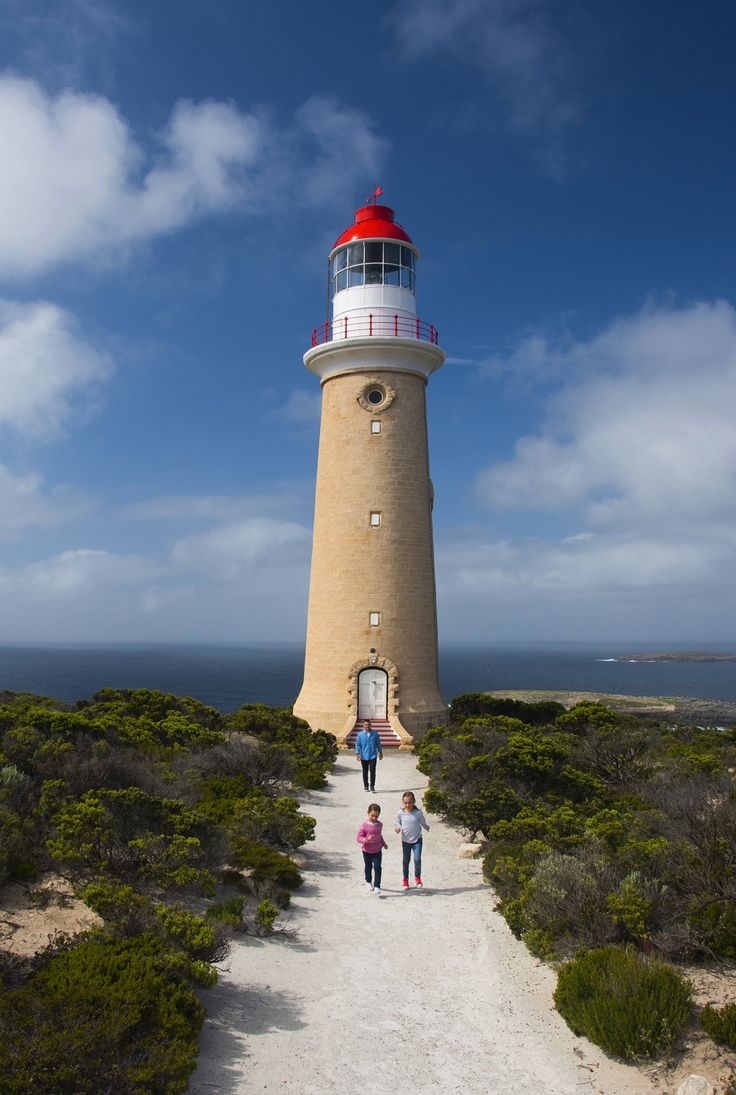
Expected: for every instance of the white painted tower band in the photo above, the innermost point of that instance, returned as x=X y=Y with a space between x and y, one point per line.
x=372 y=623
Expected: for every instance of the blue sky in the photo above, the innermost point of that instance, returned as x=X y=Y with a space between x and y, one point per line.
x=172 y=179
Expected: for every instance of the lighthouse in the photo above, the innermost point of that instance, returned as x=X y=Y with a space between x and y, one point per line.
x=371 y=651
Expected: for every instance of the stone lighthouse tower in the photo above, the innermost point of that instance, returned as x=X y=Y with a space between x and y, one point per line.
x=372 y=627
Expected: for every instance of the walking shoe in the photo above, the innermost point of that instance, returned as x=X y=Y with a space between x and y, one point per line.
x=373 y=790
x=377 y=891
x=417 y=881
x=368 y=885
x=366 y=788
x=406 y=883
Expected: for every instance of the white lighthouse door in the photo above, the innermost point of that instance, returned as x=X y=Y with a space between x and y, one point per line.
x=372 y=694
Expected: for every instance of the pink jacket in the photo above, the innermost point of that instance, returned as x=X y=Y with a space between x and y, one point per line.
x=370 y=836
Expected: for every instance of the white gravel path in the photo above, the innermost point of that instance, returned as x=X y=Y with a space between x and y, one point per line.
x=426 y=991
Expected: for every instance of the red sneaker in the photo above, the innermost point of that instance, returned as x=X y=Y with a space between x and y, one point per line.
x=406 y=883
x=418 y=881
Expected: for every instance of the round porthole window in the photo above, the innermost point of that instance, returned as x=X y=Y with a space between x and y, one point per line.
x=375 y=395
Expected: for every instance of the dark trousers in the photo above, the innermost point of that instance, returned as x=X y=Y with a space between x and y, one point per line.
x=372 y=862
x=409 y=850
x=369 y=766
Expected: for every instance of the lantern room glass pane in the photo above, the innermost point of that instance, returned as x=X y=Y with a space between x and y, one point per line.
x=355 y=276
x=407 y=257
x=406 y=278
x=374 y=252
x=392 y=253
x=391 y=275
x=341 y=259
x=355 y=254
x=341 y=281
x=373 y=274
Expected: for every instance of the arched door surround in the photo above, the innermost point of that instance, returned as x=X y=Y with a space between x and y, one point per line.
x=372 y=693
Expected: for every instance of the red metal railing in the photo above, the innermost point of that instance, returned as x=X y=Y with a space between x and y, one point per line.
x=382 y=326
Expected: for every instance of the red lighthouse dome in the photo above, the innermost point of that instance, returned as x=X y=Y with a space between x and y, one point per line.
x=373 y=222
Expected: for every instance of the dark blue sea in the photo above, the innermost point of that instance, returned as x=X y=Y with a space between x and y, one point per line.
x=227 y=676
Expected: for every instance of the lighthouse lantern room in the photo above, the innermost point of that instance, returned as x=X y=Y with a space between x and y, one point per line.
x=371 y=648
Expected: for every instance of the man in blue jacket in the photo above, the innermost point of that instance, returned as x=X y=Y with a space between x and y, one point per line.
x=367 y=749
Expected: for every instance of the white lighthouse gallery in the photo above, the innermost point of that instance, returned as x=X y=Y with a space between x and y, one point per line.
x=371 y=651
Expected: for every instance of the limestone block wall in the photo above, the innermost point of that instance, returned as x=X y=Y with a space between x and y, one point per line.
x=358 y=569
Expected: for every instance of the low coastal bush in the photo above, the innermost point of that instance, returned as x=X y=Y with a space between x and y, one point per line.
x=631 y=1006
x=720 y=1024
x=307 y=754
x=265 y=872
x=600 y=828
x=471 y=704
x=106 y=1018
x=228 y=912
x=265 y=917
x=141 y=798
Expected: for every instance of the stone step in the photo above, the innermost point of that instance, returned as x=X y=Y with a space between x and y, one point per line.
x=389 y=738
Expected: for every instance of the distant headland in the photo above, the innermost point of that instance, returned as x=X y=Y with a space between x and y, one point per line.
x=678 y=656
x=686 y=709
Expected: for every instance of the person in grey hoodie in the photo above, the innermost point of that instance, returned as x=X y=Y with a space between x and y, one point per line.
x=410 y=821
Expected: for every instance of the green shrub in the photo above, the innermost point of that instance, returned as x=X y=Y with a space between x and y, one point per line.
x=713 y=925
x=434 y=801
x=266 y=864
x=103 y=1017
x=282 y=735
x=228 y=912
x=250 y=812
x=15 y=786
x=567 y=898
x=191 y=933
x=720 y=1024
x=124 y=910
x=265 y=917
x=631 y=1006
x=631 y=906
x=471 y=704
x=17 y=854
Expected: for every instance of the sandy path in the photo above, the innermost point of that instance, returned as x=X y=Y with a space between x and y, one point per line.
x=423 y=992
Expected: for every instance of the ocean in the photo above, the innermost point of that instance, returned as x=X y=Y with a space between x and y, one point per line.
x=228 y=675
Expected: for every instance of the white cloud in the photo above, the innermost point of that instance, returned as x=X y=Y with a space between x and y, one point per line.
x=74 y=181
x=586 y=586
x=301 y=408
x=640 y=431
x=24 y=504
x=74 y=574
x=229 y=551
x=69 y=41
x=637 y=456
x=243 y=581
x=512 y=43
x=343 y=151
x=280 y=498
x=77 y=185
x=50 y=373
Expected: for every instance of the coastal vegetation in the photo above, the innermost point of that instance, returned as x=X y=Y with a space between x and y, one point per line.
x=611 y=845
x=176 y=825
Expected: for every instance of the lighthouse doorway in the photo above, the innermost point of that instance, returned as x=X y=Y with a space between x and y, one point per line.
x=372 y=693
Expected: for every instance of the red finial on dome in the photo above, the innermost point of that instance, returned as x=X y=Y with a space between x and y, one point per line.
x=373 y=222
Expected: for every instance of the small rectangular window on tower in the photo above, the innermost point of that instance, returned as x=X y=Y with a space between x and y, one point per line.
x=375 y=520
x=375 y=619
x=376 y=425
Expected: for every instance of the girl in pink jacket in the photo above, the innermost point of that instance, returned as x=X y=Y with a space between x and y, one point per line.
x=370 y=838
